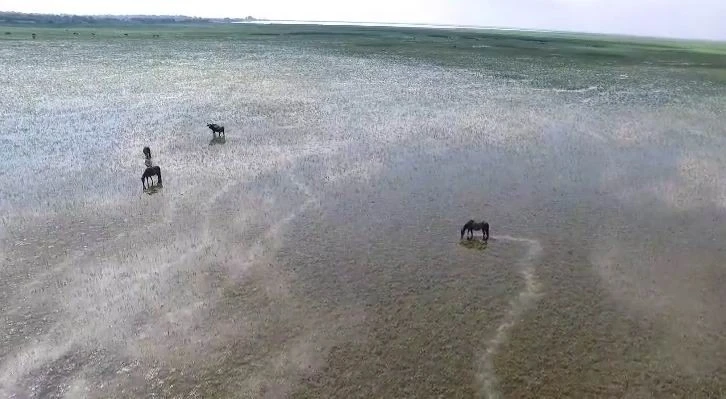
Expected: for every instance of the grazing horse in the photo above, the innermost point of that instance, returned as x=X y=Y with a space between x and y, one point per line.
x=147 y=152
x=216 y=128
x=149 y=173
x=472 y=226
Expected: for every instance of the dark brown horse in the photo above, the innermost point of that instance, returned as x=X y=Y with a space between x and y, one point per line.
x=472 y=226
x=216 y=129
x=148 y=175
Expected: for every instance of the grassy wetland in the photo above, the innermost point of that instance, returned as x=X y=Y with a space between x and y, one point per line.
x=315 y=252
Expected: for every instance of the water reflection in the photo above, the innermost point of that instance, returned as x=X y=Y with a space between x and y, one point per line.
x=153 y=188
x=217 y=140
x=473 y=244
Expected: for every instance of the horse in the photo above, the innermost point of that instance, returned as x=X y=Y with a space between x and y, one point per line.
x=472 y=226
x=216 y=128
x=149 y=173
x=147 y=152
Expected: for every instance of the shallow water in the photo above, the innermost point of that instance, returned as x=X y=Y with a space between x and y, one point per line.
x=315 y=253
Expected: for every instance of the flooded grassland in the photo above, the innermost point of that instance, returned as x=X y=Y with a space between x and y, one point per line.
x=315 y=252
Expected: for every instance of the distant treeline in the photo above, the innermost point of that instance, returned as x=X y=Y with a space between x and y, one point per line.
x=62 y=19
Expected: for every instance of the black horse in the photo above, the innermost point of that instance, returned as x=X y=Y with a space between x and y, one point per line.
x=472 y=226
x=216 y=129
x=149 y=173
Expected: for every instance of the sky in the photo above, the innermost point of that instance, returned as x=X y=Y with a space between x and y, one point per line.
x=704 y=19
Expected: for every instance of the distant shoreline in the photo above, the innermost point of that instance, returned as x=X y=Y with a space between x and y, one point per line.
x=467 y=27
x=19 y=18
x=387 y=24
x=24 y=19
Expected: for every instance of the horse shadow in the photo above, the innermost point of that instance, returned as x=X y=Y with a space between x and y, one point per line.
x=153 y=188
x=475 y=244
x=218 y=140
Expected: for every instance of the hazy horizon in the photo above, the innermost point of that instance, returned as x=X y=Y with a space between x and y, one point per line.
x=701 y=19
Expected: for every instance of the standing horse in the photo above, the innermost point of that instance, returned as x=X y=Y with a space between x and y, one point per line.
x=149 y=173
x=216 y=128
x=472 y=226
